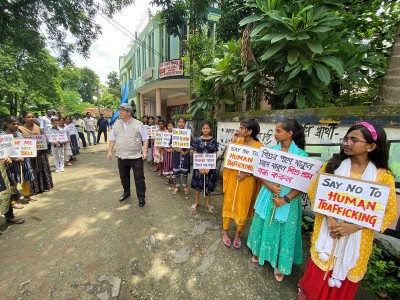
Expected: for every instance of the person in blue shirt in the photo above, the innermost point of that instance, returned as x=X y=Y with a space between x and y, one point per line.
x=102 y=126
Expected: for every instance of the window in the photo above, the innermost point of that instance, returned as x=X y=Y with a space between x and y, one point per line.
x=162 y=44
x=210 y=30
x=168 y=48
x=151 y=49
x=139 y=68
x=184 y=37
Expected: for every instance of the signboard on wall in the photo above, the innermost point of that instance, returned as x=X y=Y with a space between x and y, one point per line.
x=170 y=68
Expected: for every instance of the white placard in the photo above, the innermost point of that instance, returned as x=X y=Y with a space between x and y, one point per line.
x=241 y=158
x=57 y=137
x=163 y=139
x=355 y=201
x=287 y=169
x=7 y=145
x=25 y=147
x=41 y=141
x=204 y=161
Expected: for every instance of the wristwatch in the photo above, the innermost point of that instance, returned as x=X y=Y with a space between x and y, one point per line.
x=286 y=198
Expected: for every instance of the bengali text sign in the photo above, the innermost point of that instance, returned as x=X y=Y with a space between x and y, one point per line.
x=287 y=169
x=41 y=141
x=57 y=137
x=7 y=145
x=355 y=201
x=181 y=138
x=204 y=161
x=163 y=140
x=25 y=147
x=241 y=158
x=151 y=130
x=158 y=138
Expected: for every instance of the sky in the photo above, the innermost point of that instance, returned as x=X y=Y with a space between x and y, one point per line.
x=106 y=50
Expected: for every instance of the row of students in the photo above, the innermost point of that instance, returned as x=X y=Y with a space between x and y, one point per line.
x=364 y=156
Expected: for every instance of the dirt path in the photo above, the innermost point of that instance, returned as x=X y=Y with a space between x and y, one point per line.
x=79 y=242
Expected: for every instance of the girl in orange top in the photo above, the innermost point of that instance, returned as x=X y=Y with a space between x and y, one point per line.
x=239 y=208
x=364 y=156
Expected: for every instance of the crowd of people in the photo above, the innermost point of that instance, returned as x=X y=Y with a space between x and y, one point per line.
x=24 y=178
x=275 y=210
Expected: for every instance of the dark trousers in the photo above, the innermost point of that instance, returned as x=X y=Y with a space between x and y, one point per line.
x=124 y=168
x=82 y=137
x=99 y=134
x=10 y=214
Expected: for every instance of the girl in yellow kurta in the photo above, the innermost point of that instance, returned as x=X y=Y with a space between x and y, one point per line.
x=248 y=186
x=364 y=151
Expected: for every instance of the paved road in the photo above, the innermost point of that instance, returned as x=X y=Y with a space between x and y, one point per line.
x=79 y=242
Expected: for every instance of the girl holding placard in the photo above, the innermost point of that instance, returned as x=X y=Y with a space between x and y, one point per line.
x=43 y=181
x=158 y=157
x=275 y=232
x=240 y=188
x=181 y=164
x=204 y=179
x=20 y=167
x=364 y=156
x=66 y=145
x=167 y=156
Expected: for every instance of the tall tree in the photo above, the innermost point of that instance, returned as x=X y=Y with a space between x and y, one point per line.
x=233 y=11
x=114 y=85
x=89 y=84
x=21 y=22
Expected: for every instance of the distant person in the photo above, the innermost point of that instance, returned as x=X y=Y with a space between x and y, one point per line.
x=91 y=127
x=81 y=128
x=102 y=127
x=128 y=135
x=45 y=121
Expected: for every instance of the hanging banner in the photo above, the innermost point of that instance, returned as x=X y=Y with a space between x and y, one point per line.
x=25 y=147
x=241 y=158
x=181 y=138
x=7 y=146
x=41 y=141
x=204 y=161
x=354 y=201
x=287 y=169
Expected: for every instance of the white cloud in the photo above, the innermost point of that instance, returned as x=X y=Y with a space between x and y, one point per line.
x=106 y=50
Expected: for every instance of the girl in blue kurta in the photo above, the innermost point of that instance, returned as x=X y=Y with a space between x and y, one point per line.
x=279 y=242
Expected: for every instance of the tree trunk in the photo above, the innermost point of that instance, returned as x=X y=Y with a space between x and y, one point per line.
x=390 y=90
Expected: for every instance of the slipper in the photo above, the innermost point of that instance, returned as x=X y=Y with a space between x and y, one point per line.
x=193 y=208
x=227 y=242
x=186 y=191
x=16 y=220
x=31 y=199
x=237 y=244
x=17 y=205
x=175 y=191
x=278 y=275
x=69 y=164
x=254 y=259
x=210 y=207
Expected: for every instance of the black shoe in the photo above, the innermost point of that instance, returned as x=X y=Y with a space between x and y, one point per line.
x=123 y=197
x=142 y=202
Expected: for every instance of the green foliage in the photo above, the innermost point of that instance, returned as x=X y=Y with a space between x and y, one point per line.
x=114 y=87
x=233 y=11
x=89 y=84
x=382 y=275
x=22 y=21
x=307 y=224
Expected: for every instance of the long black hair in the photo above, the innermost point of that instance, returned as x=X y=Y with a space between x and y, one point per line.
x=8 y=120
x=298 y=131
x=379 y=156
x=252 y=124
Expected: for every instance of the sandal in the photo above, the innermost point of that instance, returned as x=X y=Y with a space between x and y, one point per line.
x=159 y=174
x=237 y=244
x=254 y=259
x=278 y=275
x=193 y=208
x=175 y=191
x=186 y=191
x=16 y=220
x=210 y=207
x=31 y=199
x=227 y=241
x=17 y=205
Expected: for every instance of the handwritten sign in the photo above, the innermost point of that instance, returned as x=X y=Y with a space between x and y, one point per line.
x=355 y=201
x=151 y=130
x=7 y=145
x=25 y=147
x=41 y=141
x=163 y=139
x=287 y=169
x=57 y=137
x=241 y=158
x=181 y=138
x=204 y=161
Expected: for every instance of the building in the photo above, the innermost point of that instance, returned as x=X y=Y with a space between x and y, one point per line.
x=154 y=70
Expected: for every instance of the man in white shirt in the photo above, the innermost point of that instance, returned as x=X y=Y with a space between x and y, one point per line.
x=131 y=140
x=45 y=121
x=80 y=127
x=90 y=124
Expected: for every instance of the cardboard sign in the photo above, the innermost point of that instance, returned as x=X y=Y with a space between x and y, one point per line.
x=25 y=147
x=204 y=161
x=7 y=146
x=355 y=201
x=241 y=158
x=286 y=169
x=41 y=141
x=151 y=130
x=181 y=138
x=163 y=139
x=57 y=137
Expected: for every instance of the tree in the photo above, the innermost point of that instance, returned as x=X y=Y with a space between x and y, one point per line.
x=21 y=22
x=114 y=86
x=233 y=11
x=89 y=84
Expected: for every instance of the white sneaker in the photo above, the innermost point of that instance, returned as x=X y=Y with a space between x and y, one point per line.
x=57 y=170
x=62 y=170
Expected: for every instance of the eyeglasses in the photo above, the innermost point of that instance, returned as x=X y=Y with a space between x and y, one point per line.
x=351 y=141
